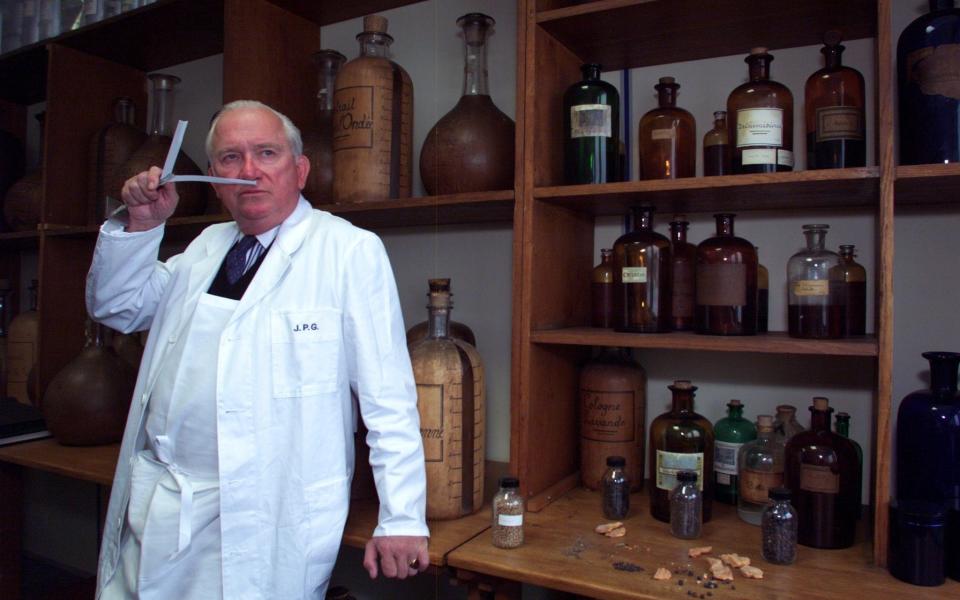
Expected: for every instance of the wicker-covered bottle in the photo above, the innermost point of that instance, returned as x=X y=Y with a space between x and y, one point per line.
x=21 y=205
x=22 y=337
x=109 y=149
x=450 y=399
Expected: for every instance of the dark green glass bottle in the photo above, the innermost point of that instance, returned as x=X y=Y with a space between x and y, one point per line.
x=730 y=433
x=591 y=128
x=843 y=428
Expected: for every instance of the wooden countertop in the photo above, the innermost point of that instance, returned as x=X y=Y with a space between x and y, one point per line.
x=561 y=551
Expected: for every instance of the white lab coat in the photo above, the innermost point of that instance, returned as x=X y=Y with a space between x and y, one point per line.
x=321 y=317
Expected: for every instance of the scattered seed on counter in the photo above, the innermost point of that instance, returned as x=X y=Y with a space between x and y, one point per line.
x=629 y=567
x=680 y=582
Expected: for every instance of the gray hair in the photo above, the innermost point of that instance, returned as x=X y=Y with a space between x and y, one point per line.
x=289 y=129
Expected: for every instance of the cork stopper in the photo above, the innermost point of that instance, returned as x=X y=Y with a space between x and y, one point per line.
x=758 y=50
x=439 y=295
x=820 y=403
x=832 y=38
x=375 y=24
x=764 y=422
x=667 y=80
x=735 y=404
x=683 y=384
x=439 y=285
x=788 y=409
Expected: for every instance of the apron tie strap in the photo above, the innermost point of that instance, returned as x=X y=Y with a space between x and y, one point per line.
x=164 y=453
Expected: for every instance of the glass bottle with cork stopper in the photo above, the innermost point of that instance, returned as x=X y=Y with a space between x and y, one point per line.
x=641 y=276
x=591 y=130
x=815 y=309
x=667 y=137
x=834 y=98
x=730 y=434
x=601 y=291
x=853 y=291
x=760 y=120
x=716 y=147
x=726 y=282
x=760 y=470
x=683 y=288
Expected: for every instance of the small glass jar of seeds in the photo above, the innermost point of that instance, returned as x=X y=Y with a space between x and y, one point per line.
x=778 y=526
x=615 y=489
x=508 y=514
x=686 y=507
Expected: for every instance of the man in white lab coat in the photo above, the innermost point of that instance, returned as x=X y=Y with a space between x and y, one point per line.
x=234 y=471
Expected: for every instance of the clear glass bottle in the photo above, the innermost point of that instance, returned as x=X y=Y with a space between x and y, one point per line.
x=842 y=427
x=726 y=282
x=730 y=434
x=680 y=440
x=683 y=287
x=814 y=307
x=716 y=147
x=667 y=137
x=641 y=277
x=834 y=98
x=785 y=423
x=686 y=507
x=615 y=489
x=507 y=508
x=779 y=529
x=591 y=130
x=456 y=329
x=760 y=470
x=760 y=116
x=763 y=296
x=318 y=139
x=853 y=291
x=601 y=291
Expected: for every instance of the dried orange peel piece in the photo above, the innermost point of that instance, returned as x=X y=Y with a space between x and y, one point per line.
x=699 y=551
x=662 y=574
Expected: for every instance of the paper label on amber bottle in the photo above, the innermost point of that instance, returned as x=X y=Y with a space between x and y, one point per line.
x=839 y=123
x=430 y=407
x=936 y=70
x=756 y=485
x=683 y=297
x=590 y=120
x=817 y=478
x=634 y=274
x=725 y=457
x=811 y=287
x=671 y=463
x=759 y=127
x=722 y=284
x=785 y=158
x=607 y=416
x=353 y=117
x=663 y=134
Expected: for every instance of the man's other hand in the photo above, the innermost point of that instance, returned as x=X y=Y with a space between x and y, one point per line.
x=398 y=556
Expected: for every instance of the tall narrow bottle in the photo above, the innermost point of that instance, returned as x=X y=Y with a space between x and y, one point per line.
x=730 y=434
x=641 y=277
x=822 y=474
x=760 y=115
x=853 y=291
x=761 y=469
x=834 y=98
x=667 y=137
x=842 y=427
x=591 y=128
x=716 y=147
x=680 y=440
x=22 y=340
x=601 y=291
x=814 y=284
x=318 y=139
x=763 y=297
x=726 y=282
x=683 y=287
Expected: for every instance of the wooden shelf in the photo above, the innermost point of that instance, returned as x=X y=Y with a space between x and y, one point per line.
x=19 y=240
x=927 y=184
x=768 y=343
x=449 y=209
x=829 y=188
x=87 y=463
x=622 y=34
x=550 y=558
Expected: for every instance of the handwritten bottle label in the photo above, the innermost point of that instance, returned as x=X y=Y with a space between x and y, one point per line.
x=353 y=117
x=590 y=120
x=759 y=127
x=839 y=123
x=671 y=463
x=634 y=274
x=811 y=287
x=607 y=416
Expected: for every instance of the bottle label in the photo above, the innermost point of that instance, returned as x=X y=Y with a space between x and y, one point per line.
x=663 y=134
x=759 y=127
x=671 y=463
x=590 y=120
x=353 y=117
x=607 y=416
x=759 y=156
x=683 y=293
x=839 y=123
x=817 y=478
x=755 y=485
x=510 y=520
x=785 y=158
x=634 y=274
x=811 y=287
x=722 y=284
x=430 y=407
x=725 y=458
x=936 y=70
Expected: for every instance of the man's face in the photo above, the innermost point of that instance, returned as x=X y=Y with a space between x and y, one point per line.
x=249 y=144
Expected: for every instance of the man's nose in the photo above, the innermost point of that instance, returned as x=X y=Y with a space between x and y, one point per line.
x=249 y=169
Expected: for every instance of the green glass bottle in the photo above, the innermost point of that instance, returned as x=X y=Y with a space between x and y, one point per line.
x=591 y=129
x=730 y=433
x=842 y=427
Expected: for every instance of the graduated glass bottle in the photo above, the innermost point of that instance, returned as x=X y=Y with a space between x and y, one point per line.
x=761 y=465
x=726 y=282
x=760 y=115
x=814 y=307
x=834 y=98
x=730 y=434
x=601 y=291
x=683 y=287
x=318 y=140
x=716 y=147
x=667 y=137
x=641 y=276
x=591 y=130
x=853 y=291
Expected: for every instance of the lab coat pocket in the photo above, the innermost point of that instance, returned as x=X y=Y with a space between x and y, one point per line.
x=305 y=351
x=328 y=502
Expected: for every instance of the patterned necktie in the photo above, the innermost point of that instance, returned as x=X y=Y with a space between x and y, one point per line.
x=237 y=258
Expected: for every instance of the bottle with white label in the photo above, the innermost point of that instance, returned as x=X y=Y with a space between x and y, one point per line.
x=815 y=307
x=591 y=130
x=641 y=277
x=680 y=440
x=726 y=282
x=760 y=118
x=507 y=508
x=667 y=137
x=730 y=433
x=833 y=106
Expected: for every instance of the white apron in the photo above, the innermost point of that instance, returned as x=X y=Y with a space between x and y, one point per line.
x=171 y=544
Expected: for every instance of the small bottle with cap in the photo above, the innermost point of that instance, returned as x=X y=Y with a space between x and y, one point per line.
x=615 y=487
x=778 y=528
x=507 y=529
x=686 y=507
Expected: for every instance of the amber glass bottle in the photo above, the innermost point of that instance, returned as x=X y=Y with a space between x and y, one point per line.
x=680 y=440
x=683 y=287
x=641 y=277
x=822 y=471
x=853 y=291
x=726 y=283
x=668 y=137
x=601 y=291
x=763 y=297
x=760 y=115
x=716 y=147
x=833 y=99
